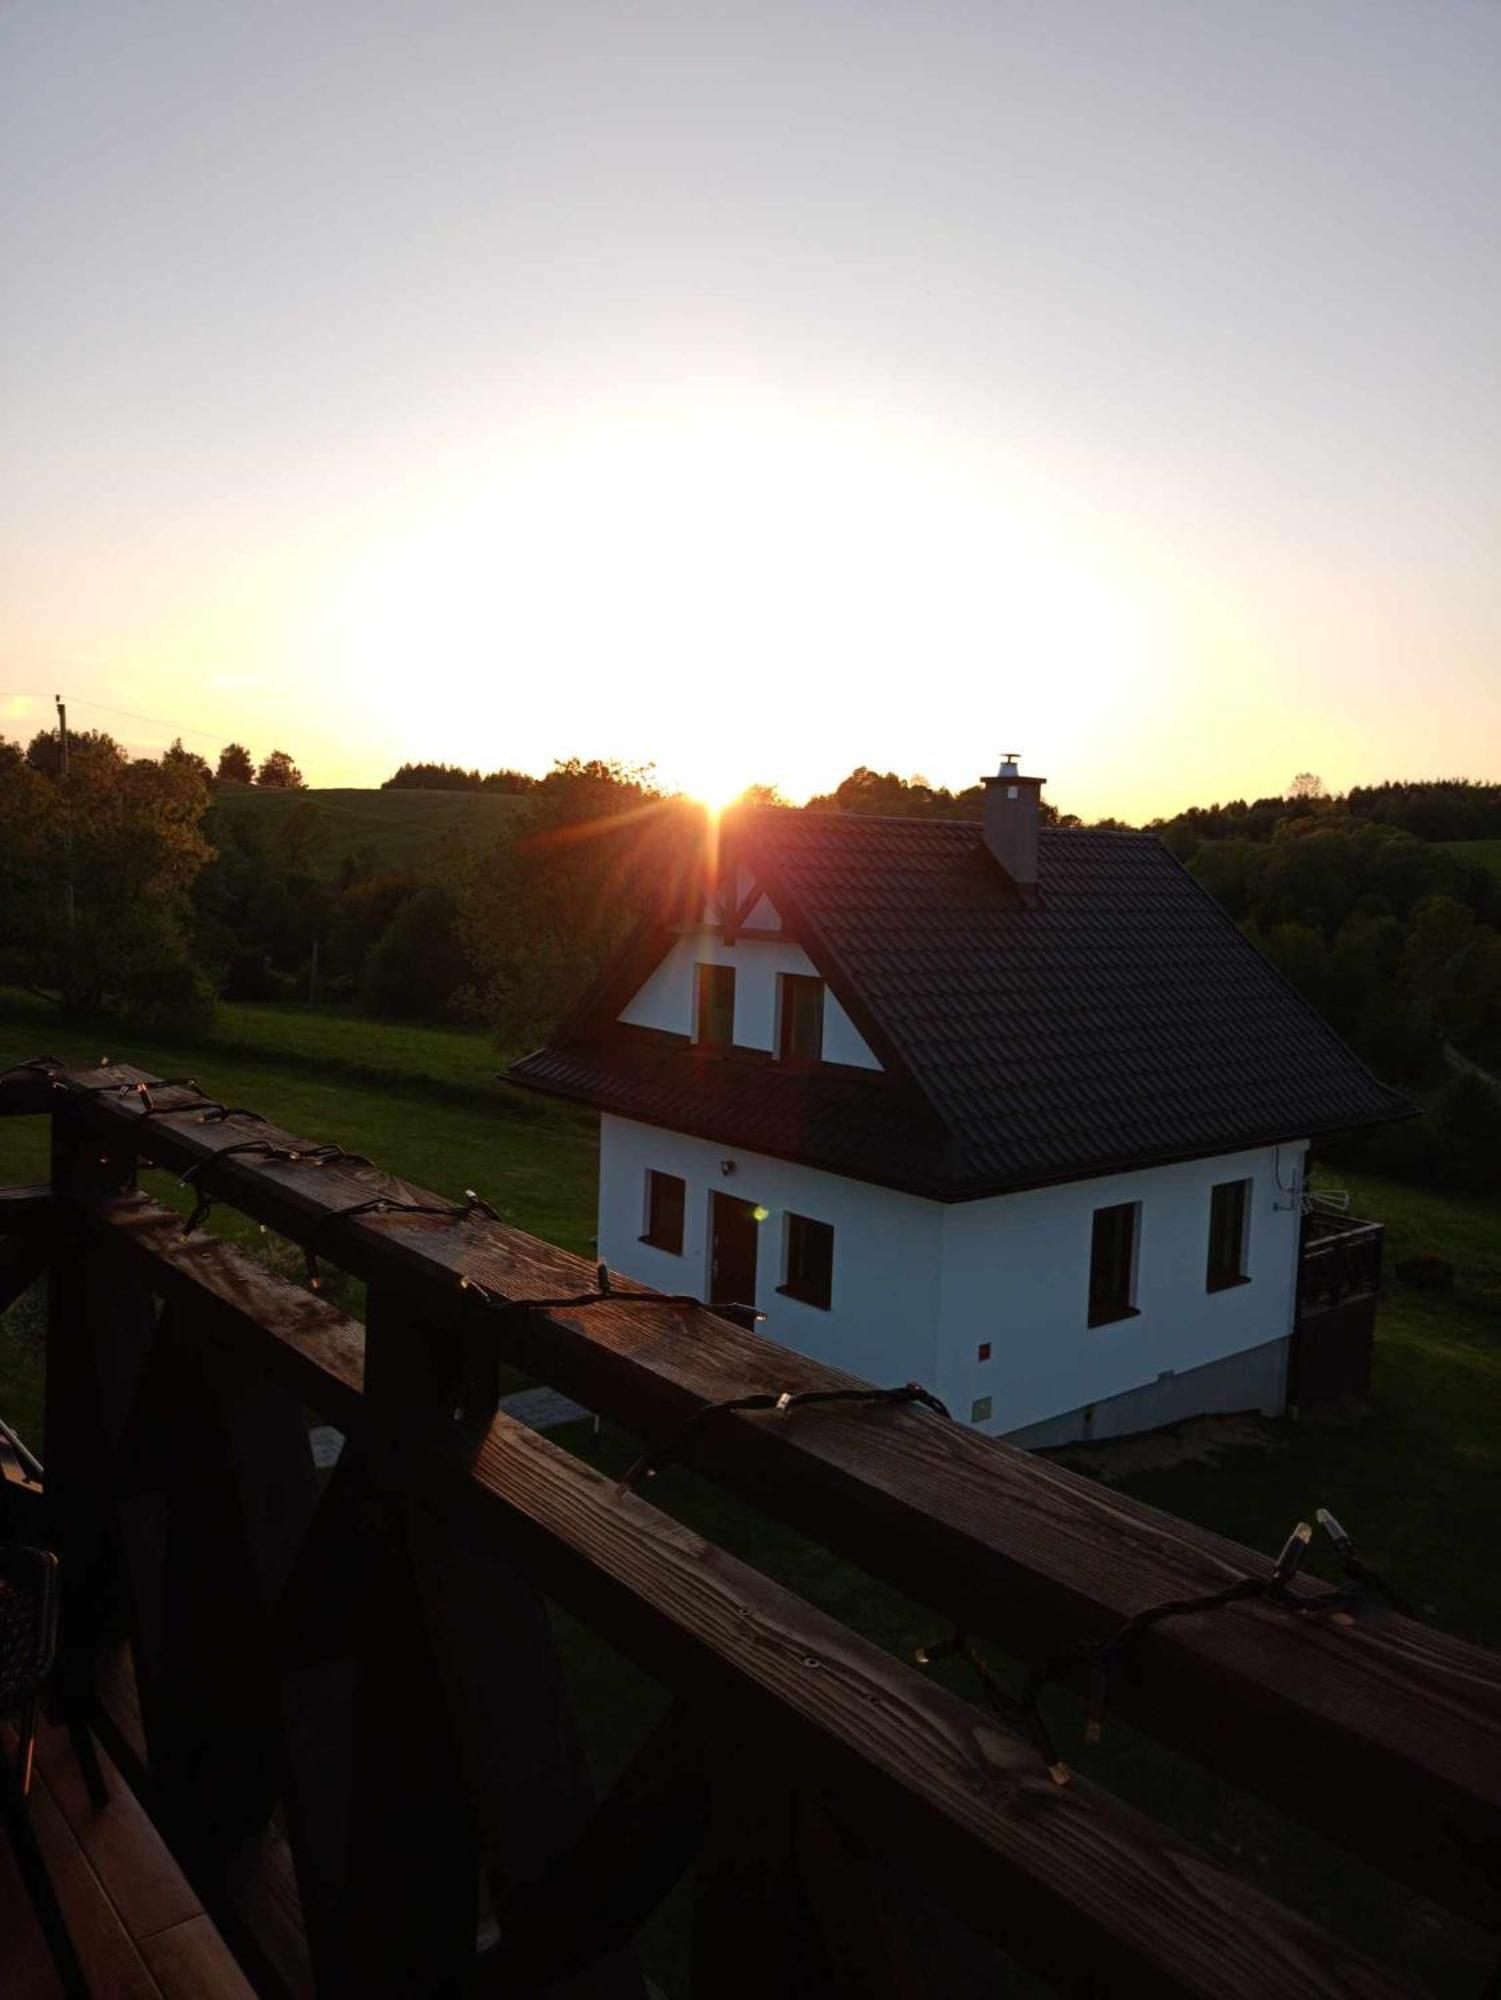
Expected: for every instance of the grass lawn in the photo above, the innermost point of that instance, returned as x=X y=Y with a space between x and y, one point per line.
x=1417 y=1479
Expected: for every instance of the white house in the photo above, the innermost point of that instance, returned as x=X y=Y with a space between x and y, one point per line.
x=1007 y=1109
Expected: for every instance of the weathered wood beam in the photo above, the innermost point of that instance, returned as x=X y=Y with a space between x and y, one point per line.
x=27 y=1218
x=1062 y=1877
x=25 y=1211
x=593 y=1896
x=1382 y=1733
x=24 y=1092
x=955 y=1799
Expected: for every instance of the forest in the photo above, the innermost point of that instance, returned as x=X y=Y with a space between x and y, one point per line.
x=138 y=889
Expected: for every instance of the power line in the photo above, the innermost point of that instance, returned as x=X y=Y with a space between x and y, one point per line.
x=129 y=714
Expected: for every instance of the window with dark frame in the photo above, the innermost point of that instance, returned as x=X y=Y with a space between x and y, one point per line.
x=666 y=1205
x=801 y=1033
x=1229 y=1206
x=1112 y=1263
x=810 y=1261
x=716 y=1006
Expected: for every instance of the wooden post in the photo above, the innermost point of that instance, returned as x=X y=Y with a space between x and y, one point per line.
x=100 y=1325
x=752 y=1928
x=412 y=1861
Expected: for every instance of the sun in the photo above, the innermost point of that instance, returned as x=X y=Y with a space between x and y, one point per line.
x=714 y=794
x=710 y=778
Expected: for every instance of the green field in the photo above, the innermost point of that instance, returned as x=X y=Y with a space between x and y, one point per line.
x=1417 y=1479
x=398 y=830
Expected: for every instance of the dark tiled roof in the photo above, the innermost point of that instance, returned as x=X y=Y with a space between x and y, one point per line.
x=847 y=1123
x=1119 y=1019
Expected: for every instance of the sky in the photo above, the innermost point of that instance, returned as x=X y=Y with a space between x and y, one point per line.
x=758 y=390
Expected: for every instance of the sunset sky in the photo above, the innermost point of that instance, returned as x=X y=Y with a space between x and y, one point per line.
x=760 y=389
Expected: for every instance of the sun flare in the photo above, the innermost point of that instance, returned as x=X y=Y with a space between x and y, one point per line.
x=714 y=794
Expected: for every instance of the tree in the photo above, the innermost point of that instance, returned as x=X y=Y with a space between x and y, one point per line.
x=44 y=753
x=1307 y=785
x=542 y=910
x=95 y=870
x=432 y=778
x=419 y=963
x=279 y=773
x=235 y=767
x=1452 y=967
x=189 y=759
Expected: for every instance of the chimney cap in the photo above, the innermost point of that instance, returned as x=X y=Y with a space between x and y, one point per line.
x=1011 y=772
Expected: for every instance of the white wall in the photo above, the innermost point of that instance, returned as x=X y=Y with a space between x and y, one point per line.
x=1016 y=1273
x=882 y=1319
x=918 y=1285
x=666 y=1000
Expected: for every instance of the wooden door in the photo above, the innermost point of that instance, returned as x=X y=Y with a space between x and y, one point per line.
x=732 y=1253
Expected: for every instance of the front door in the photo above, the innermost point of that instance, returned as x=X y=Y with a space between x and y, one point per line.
x=732 y=1251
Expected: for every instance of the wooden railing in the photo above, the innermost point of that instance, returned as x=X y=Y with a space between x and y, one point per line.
x=1340 y=1259
x=342 y=1700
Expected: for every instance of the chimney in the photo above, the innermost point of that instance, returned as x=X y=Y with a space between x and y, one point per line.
x=1011 y=814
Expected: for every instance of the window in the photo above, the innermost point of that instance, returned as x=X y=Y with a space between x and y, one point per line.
x=984 y=1350
x=666 y=1200
x=979 y=1410
x=716 y=1005
x=810 y=1261
x=802 y=1018
x=1229 y=1210
x=1112 y=1263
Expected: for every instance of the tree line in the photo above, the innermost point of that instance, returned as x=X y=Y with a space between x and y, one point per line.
x=127 y=887
x=454 y=778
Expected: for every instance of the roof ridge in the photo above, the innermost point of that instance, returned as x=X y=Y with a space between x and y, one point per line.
x=935 y=821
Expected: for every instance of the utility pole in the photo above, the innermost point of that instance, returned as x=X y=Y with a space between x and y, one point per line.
x=70 y=914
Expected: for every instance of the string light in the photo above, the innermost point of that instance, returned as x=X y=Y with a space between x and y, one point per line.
x=472 y=1204
x=780 y=1404
x=1103 y=1656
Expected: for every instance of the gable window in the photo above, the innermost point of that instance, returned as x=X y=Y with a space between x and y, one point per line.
x=1112 y=1263
x=810 y=1261
x=666 y=1203
x=801 y=1035
x=1229 y=1210
x=716 y=1006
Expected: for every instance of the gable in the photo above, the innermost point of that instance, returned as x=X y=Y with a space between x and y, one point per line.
x=761 y=952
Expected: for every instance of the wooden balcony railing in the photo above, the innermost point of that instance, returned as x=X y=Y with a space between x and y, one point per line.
x=1340 y=1259
x=1339 y=1285
x=341 y=1699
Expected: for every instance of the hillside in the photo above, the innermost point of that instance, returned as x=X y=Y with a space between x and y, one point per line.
x=400 y=829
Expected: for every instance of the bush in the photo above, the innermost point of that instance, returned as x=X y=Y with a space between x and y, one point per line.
x=419 y=962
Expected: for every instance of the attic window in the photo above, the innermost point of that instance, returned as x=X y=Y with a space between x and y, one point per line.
x=716 y=1006
x=801 y=1033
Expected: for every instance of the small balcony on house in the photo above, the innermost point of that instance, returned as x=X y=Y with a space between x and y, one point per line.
x=1339 y=1284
